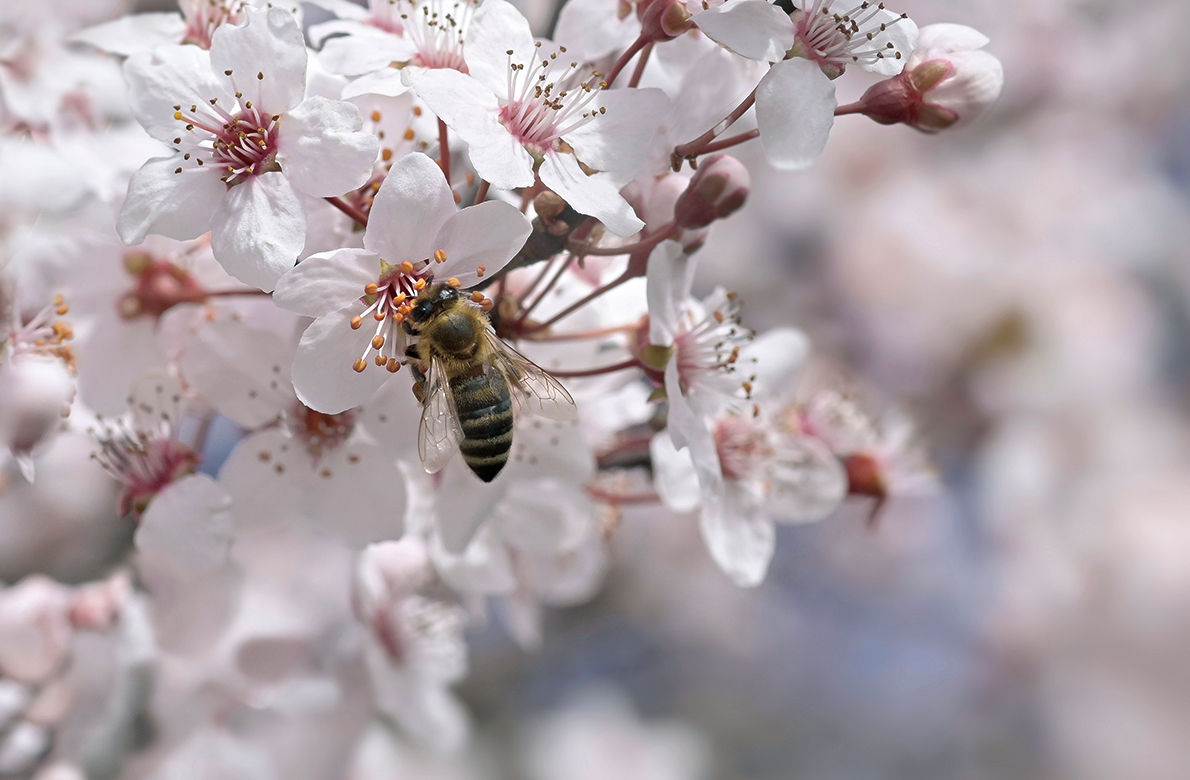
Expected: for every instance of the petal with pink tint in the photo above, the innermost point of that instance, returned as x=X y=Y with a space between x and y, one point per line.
x=487 y=234
x=327 y=282
x=322 y=369
x=321 y=149
x=410 y=208
x=191 y=522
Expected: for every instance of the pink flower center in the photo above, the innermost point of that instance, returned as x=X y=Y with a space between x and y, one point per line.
x=203 y=17
x=544 y=105
x=320 y=432
x=145 y=466
x=436 y=28
x=707 y=351
x=836 y=40
x=241 y=141
x=160 y=285
x=388 y=302
x=741 y=447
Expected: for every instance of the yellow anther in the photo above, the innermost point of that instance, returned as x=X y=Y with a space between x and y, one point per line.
x=481 y=271
x=477 y=296
x=406 y=267
x=487 y=304
x=377 y=342
x=399 y=298
x=381 y=360
x=454 y=282
x=379 y=315
x=386 y=154
x=409 y=134
x=177 y=115
x=375 y=116
x=360 y=365
x=440 y=255
x=393 y=366
x=718 y=316
x=371 y=288
x=356 y=322
x=417 y=110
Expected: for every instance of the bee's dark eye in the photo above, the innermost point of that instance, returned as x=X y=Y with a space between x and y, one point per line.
x=423 y=310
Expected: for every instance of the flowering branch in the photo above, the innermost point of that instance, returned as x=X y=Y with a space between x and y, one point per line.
x=360 y=217
x=691 y=150
x=631 y=363
x=625 y=58
x=640 y=64
x=443 y=150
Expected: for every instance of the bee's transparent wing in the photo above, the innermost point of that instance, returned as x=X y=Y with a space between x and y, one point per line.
x=440 y=432
x=531 y=385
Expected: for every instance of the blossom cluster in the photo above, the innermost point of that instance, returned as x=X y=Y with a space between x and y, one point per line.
x=218 y=219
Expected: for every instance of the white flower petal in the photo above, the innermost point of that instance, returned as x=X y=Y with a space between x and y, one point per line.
x=486 y=234
x=545 y=516
x=322 y=370
x=495 y=29
x=269 y=45
x=470 y=110
x=322 y=150
x=327 y=282
x=260 y=230
x=755 y=29
x=484 y=567
x=900 y=31
x=464 y=504
x=176 y=205
x=674 y=476
x=387 y=81
x=191 y=522
x=795 y=110
x=938 y=40
x=241 y=371
x=134 y=33
x=341 y=479
x=669 y=274
x=740 y=538
x=591 y=29
x=265 y=475
x=365 y=50
x=594 y=195
x=619 y=139
x=171 y=76
x=413 y=203
x=807 y=482
x=774 y=357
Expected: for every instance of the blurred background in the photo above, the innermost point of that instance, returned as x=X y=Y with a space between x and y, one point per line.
x=1021 y=288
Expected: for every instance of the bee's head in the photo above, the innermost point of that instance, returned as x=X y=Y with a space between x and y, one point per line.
x=430 y=300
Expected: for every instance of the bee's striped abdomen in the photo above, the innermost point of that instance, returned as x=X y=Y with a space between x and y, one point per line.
x=485 y=412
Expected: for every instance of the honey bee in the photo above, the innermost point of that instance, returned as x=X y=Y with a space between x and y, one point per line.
x=467 y=380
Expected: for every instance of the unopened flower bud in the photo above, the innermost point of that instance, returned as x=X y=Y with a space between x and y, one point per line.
x=661 y=20
x=716 y=191
x=948 y=82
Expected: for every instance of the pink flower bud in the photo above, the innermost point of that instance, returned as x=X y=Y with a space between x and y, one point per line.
x=716 y=191
x=947 y=83
x=661 y=20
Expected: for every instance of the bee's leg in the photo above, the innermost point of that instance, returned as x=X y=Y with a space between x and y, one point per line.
x=419 y=376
